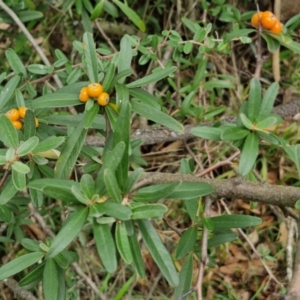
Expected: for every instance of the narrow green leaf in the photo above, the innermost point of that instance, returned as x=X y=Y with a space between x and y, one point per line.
x=19 y=180
x=112 y=209
x=190 y=190
x=90 y=116
x=125 y=288
x=5 y=214
x=27 y=146
x=221 y=238
x=254 y=100
x=56 y=100
x=70 y=152
x=267 y=122
x=136 y=255
x=206 y=132
x=234 y=134
x=185 y=279
x=29 y=127
x=186 y=242
x=112 y=186
x=148 y=211
x=145 y=97
x=8 y=133
x=15 y=62
x=246 y=122
x=74 y=75
x=8 y=192
x=226 y=222
x=210 y=85
x=156 y=76
x=68 y=232
x=155 y=192
x=249 y=153
x=97 y=10
x=158 y=251
x=122 y=242
x=132 y=15
x=50 y=280
x=132 y=179
x=90 y=57
x=49 y=143
x=156 y=116
x=34 y=276
x=125 y=55
x=122 y=134
x=105 y=246
x=268 y=101
x=40 y=69
x=8 y=90
x=20 y=167
x=19 y=264
x=110 y=73
x=79 y=195
x=87 y=185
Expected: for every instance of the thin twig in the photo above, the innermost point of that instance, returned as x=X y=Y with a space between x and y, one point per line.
x=13 y=285
x=204 y=257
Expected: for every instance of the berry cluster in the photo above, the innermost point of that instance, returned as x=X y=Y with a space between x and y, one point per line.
x=17 y=115
x=267 y=20
x=94 y=90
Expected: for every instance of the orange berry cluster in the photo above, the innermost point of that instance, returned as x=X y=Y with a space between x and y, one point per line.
x=17 y=115
x=94 y=90
x=267 y=20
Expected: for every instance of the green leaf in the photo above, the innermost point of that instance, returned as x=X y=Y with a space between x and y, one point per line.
x=29 y=127
x=50 y=280
x=122 y=134
x=87 y=185
x=15 y=62
x=158 y=251
x=155 y=192
x=68 y=232
x=112 y=209
x=7 y=192
x=237 y=33
x=49 y=143
x=254 y=100
x=226 y=222
x=267 y=122
x=249 y=153
x=132 y=179
x=188 y=47
x=125 y=55
x=221 y=238
x=136 y=255
x=156 y=116
x=97 y=10
x=190 y=190
x=105 y=246
x=234 y=134
x=56 y=100
x=273 y=45
x=148 y=211
x=90 y=58
x=110 y=73
x=70 y=152
x=90 y=116
x=112 y=186
x=145 y=97
x=19 y=264
x=132 y=15
x=185 y=279
x=122 y=242
x=27 y=146
x=74 y=76
x=40 y=69
x=286 y=41
x=8 y=90
x=79 y=195
x=156 y=76
x=246 y=122
x=34 y=276
x=221 y=84
x=8 y=133
x=19 y=179
x=186 y=243
x=20 y=167
x=5 y=214
x=206 y=132
x=268 y=101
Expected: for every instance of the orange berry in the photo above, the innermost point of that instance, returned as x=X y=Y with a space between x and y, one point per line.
x=103 y=99
x=268 y=20
x=36 y=122
x=277 y=28
x=94 y=89
x=22 y=111
x=13 y=114
x=17 y=124
x=256 y=18
x=84 y=95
